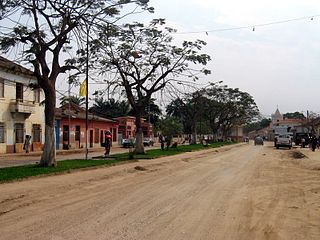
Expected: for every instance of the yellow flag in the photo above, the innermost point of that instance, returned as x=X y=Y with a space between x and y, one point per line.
x=83 y=88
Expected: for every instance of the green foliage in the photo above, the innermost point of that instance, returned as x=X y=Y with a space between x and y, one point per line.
x=110 y=108
x=218 y=107
x=170 y=127
x=151 y=112
x=257 y=125
x=72 y=99
x=294 y=115
x=189 y=110
x=229 y=107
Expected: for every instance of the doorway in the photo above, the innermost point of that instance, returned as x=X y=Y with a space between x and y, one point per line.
x=65 y=137
x=91 y=138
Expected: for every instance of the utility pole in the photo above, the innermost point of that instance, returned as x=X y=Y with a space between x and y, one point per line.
x=87 y=88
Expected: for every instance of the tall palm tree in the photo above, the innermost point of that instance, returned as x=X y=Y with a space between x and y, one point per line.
x=110 y=108
x=72 y=99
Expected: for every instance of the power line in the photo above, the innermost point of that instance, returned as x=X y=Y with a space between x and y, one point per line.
x=253 y=26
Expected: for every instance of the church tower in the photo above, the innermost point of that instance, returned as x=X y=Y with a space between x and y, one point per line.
x=276 y=117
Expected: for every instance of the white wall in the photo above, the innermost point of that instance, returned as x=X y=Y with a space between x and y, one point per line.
x=10 y=119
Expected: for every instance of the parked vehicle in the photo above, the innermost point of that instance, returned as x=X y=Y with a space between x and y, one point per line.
x=302 y=138
x=147 y=142
x=284 y=140
x=258 y=140
x=128 y=142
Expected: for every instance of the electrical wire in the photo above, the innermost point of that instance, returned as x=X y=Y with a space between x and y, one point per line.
x=252 y=26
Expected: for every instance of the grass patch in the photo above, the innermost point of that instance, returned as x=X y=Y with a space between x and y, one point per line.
x=156 y=153
x=20 y=172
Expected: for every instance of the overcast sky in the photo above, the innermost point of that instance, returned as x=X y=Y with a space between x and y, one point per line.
x=278 y=64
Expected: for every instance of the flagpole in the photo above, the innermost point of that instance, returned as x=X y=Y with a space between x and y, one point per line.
x=87 y=88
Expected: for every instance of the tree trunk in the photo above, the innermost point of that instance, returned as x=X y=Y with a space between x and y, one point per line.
x=48 y=157
x=194 y=133
x=139 y=135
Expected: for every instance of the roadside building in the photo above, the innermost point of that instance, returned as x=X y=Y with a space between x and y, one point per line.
x=71 y=128
x=147 y=129
x=127 y=127
x=21 y=111
x=236 y=134
x=313 y=126
x=279 y=124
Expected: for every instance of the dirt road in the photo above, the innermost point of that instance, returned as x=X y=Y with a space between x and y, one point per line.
x=239 y=192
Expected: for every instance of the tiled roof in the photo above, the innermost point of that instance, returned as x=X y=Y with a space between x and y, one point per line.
x=78 y=112
x=12 y=67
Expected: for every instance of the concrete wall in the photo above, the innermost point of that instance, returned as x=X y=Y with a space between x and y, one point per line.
x=92 y=126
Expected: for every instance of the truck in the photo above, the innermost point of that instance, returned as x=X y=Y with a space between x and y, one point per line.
x=283 y=136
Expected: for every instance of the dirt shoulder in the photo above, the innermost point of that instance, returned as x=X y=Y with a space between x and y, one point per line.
x=236 y=192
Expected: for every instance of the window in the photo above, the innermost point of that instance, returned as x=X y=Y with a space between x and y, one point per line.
x=19 y=127
x=2 y=132
x=114 y=135
x=36 y=131
x=1 y=88
x=77 y=134
x=19 y=91
x=36 y=95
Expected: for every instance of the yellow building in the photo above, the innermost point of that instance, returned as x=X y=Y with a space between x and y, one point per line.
x=20 y=108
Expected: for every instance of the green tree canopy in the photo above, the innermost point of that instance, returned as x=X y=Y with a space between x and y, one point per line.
x=170 y=127
x=110 y=108
x=146 y=60
x=229 y=107
x=72 y=99
x=294 y=115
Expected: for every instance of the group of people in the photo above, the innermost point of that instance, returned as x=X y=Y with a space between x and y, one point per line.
x=107 y=143
x=164 y=140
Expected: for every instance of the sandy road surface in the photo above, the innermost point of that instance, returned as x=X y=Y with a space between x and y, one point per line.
x=241 y=192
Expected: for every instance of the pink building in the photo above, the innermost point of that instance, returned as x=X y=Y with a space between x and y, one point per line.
x=71 y=128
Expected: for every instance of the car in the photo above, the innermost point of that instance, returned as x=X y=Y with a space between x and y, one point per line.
x=258 y=140
x=147 y=142
x=128 y=142
x=283 y=140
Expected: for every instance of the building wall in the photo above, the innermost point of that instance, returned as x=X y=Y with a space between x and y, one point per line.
x=10 y=119
x=236 y=134
x=127 y=127
x=96 y=130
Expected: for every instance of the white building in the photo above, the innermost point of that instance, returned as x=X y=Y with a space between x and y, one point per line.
x=276 y=117
x=20 y=111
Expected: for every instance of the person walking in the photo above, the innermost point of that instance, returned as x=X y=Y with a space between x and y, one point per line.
x=168 y=142
x=27 y=142
x=107 y=142
x=314 y=142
